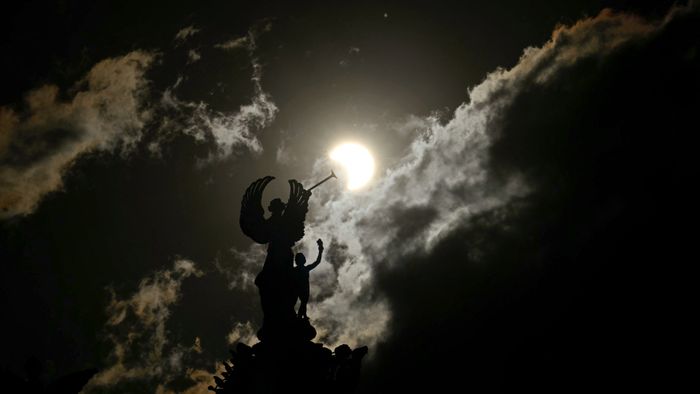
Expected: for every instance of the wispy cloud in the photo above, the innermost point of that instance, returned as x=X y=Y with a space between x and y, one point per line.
x=110 y=110
x=242 y=274
x=202 y=380
x=185 y=33
x=234 y=43
x=193 y=56
x=242 y=333
x=137 y=328
x=41 y=141
x=229 y=131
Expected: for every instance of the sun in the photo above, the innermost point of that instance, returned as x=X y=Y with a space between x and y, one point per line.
x=357 y=162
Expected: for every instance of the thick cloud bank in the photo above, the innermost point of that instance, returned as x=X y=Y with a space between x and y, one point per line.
x=547 y=173
x=524 y=244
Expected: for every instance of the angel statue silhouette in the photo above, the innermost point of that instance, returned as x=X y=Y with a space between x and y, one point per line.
x=284 y=227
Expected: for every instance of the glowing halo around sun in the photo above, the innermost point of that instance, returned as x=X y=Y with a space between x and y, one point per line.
x=357 y=162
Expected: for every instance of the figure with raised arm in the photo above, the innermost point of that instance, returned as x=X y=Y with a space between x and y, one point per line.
x=301 y=277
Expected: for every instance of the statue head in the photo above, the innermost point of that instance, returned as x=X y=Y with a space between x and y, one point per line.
x=300 y=259
x=276 y=206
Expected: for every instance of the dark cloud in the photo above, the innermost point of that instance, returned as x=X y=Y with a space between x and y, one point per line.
x=564 y=288
x=446 y=176
x=337 y=254
x=406 y=222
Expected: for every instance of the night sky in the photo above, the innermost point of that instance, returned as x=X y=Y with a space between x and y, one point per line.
x=528 y=226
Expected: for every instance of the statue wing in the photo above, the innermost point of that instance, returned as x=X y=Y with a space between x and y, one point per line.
x=295 y=213
x=252 y=218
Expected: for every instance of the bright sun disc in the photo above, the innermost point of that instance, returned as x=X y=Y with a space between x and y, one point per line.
x=357 y=162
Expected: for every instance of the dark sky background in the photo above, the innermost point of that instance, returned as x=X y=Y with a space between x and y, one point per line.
x=527 y=226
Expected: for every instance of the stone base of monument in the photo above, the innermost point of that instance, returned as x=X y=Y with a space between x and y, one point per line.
x=291 y=364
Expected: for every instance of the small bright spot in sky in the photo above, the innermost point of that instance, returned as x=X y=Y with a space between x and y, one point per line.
x=357 y=162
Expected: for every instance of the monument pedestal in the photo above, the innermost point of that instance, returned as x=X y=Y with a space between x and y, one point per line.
x=291 y=363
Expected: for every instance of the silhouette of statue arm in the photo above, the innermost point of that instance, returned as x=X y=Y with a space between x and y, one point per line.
x=320 y=255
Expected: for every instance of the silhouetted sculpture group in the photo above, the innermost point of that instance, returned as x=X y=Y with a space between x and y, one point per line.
x=285 y=359
x=276 y=282
x=309 y=368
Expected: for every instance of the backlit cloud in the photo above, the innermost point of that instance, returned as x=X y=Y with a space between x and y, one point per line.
x=40 y=141
x=137 y=328
x=110 y=110
x=443 y=181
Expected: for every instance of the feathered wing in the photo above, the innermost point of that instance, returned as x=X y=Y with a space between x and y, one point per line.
x=252 y=218
x=295 y=213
